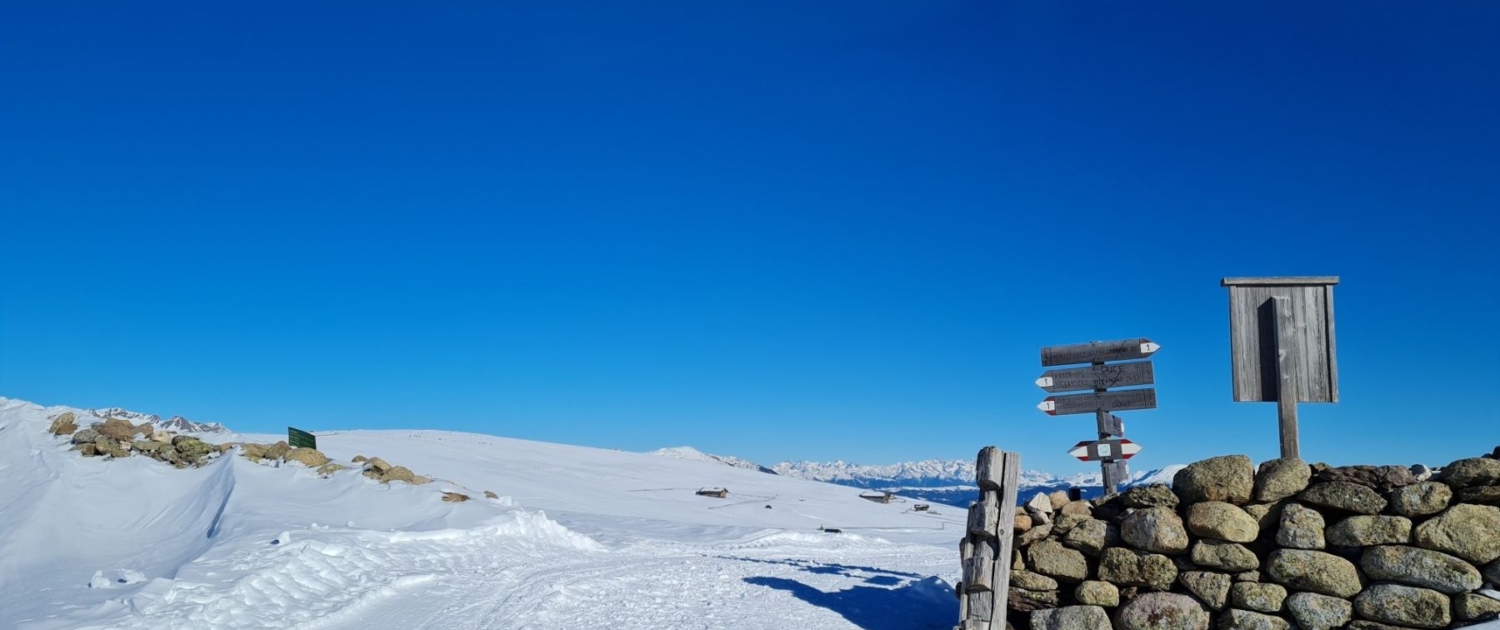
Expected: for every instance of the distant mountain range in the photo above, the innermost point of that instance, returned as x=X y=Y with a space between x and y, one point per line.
x=176 y=424
x=944 y=481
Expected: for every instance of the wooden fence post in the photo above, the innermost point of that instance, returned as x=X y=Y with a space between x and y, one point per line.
x=989 y=542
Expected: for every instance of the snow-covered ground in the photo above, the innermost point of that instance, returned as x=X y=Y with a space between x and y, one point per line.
x=580 y=538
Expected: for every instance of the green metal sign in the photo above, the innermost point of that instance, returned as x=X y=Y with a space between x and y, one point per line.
x=300 y=439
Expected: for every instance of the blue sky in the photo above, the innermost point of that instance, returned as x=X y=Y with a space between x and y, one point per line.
x=774 y=230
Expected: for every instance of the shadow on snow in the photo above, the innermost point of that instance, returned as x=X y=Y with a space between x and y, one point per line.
x=915 y=605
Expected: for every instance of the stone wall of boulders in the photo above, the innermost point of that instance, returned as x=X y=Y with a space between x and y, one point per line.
x=1287 y=545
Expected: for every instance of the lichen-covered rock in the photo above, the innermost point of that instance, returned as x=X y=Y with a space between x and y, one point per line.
x=1343 y=495
x=327 y=470
x=1492 y=573
x=253 y=452
x=454 y=497
x=1235 y=619
x=419 y=480
x=1037 y=532
x=1022 y=524
x=1077 y=508
x=1361 y=624
x=1152 y=495
x=1278 y=479
x=1422 y=499
x=1312 y=611
x=106 y=445
x=1071 y=618
x=1483 y=495
x=1471 y=607
x=1382 y=479
x=1127 y=567
x=1156 y=529
x=146 y=447
x=1040 y=509
x=1230 y=478
x=1420 y=567
x=1032 y=581
x=1222 y=521
x=1051 y=558
x=225 y=447
x=1092 y=536
x=1211 y=588
x=1266 y=598
x=397 y=473
x=1062 y=522
x=1404 y=605
x=1301 y=528
x=1024 y=600
x=1247 y=576
x=1058 y=498
x=359 y=459
x=1224 y=556
x=86 y=436
x=1471 y=532
x=378 y=465
x=191 y=450
x=1477 y=471
x=1313 y=571
x=1097 y=593
x=64 y=424
x=311 y=458
x=1366 y=531
x=490 y=495
x=1161 y=611
x=117 y=429
x=278 y=450
x=1267 y=515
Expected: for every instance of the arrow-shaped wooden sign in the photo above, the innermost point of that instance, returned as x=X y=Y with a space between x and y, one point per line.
x=1098 y=377
x=1105 y=450
x=1122 y=350
x=1123 y=400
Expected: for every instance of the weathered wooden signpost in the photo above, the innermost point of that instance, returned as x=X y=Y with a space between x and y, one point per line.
x=987 y=546
x=1100 y=376
x=1281 y=339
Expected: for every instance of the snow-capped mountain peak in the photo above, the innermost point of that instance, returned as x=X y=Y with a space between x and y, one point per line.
x=176 y=424
x=690 y=453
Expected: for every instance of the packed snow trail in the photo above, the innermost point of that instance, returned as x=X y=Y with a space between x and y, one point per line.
x=620 y=541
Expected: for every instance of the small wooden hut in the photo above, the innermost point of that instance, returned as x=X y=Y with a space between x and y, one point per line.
x=717 y=493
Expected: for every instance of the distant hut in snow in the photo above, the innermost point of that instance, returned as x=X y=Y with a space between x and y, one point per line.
x=717 y=493
x=878 y=497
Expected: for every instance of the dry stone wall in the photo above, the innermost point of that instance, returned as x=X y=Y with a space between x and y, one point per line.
x=1284 y=545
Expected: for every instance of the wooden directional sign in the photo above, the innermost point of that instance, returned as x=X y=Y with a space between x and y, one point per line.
x=1099 y=351
x=1098 y=377
x=1105 y=450
x=1122 y=400
x=1111 y=425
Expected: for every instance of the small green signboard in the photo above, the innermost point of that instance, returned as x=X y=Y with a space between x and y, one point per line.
x=300 y=439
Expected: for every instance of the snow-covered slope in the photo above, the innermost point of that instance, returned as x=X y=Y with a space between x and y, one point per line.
x=690 y=453
x=579 y=538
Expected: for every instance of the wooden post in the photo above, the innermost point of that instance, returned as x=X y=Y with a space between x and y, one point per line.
x=1286 y=371
x=987 y=548
x=1104 y=425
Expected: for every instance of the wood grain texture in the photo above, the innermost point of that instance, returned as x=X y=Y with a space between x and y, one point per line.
x=1253 y=342
x=988 y=468
x=1287 y=336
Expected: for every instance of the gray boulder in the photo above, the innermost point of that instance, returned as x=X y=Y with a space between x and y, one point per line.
x=1314 y=571
x=86 y=436
x=1097 y=593
x=1211 y=588
x=1032 y=581
x=1230 y=478
x=1092 y=536
x=1157 y=529
x=1301 y=528
x=1343 y=495
x=1405 y=606
x=1483 y=495
x=1420 y=567
x=1224 y=556
x=1071 y=618
x=1319 y=612
x=1477 y=471
x=1152 y=495
x=1278 y=479
x=1366 y=531
x=1127 y=567
x=1423 y=499
x=1471 y=607
x=1382 y=479
x=1266 y=598
x=64 y=424
x=1161 y=611
x=1471 y=532
x=1222 y=521
x=1236 y=619
x=1052 y=559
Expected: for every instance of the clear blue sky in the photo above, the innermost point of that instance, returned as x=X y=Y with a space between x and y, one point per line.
x=775 y=230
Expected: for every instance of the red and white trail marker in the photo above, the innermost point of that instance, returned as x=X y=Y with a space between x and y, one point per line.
x=1105 y=450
